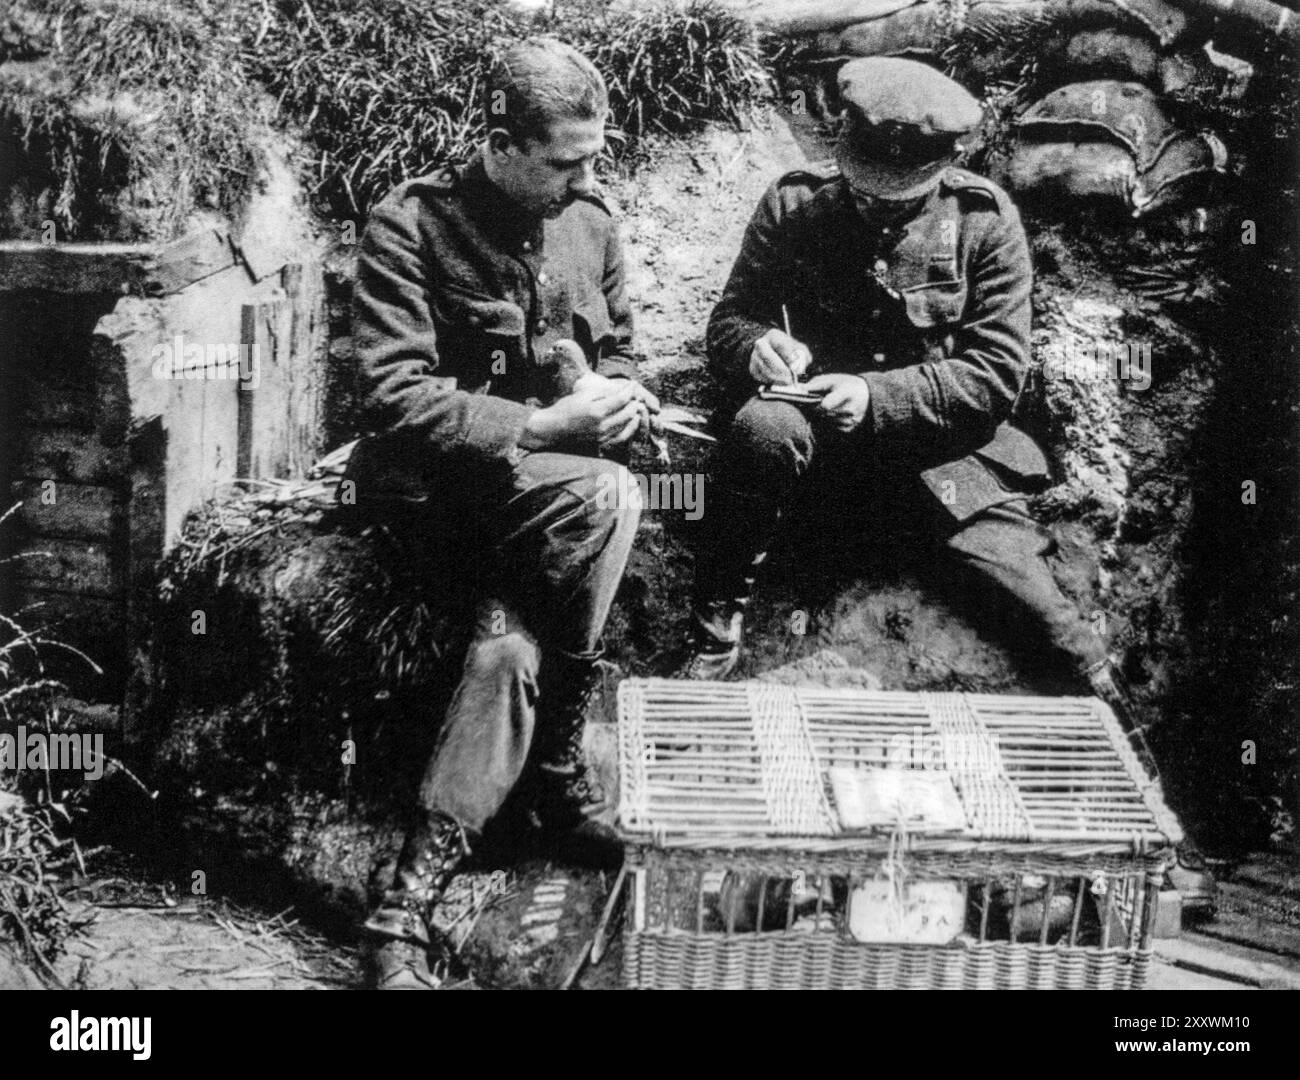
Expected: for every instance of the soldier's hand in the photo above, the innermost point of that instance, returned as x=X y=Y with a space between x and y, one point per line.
x=778 y=358
x=647 y=399
x=844 y=401
x=647 y=405
x=600 y=410
x=639 y=392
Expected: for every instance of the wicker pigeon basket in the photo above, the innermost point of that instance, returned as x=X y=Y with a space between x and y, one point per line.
x=782 y=837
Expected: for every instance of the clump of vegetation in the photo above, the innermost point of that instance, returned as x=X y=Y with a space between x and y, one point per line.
x=33 y=816
x=391 y=89
x=670 y=69
x=32 y=911
x=120 y=117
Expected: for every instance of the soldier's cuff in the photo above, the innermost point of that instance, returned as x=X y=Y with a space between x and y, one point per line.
x=740 y=351
x=889 y=408
x=496 y=426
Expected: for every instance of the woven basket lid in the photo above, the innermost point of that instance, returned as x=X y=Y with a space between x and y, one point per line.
x=750 y=765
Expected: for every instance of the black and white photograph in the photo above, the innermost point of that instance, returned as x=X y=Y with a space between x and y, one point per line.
x=678 y=495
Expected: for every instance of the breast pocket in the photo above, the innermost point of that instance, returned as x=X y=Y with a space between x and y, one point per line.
x=935 y=304
x=482 y=337
x=935 y=310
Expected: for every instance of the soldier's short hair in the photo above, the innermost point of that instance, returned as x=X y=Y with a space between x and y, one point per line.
x=536 y=82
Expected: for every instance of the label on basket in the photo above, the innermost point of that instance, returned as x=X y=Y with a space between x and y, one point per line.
x=926 y=913
x=924 y=800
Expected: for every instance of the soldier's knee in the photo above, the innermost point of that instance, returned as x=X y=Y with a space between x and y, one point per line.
x=611 y=497
x=587 y=494
x=511 y=656
x=771 y=435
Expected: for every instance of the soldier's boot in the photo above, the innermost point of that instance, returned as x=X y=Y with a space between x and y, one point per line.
x=407 y=951
x=713 y=647
x=727 y=562
x=563 y=796
x=1191 y=877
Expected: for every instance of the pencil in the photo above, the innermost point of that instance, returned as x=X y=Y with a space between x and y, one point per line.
x=785 y=321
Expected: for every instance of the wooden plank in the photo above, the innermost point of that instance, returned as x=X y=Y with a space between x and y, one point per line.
x=191 y=258
x=1164 y=976
x=68 y=454
x=1271 y=872
x=1238 y=964
x=219 y=442
x=265 y=423
x=186 y=481
x=86 y=567
x=66 y=509
x=248 y=334
x=303 y=365
x=74 y=268
x=1252 y=920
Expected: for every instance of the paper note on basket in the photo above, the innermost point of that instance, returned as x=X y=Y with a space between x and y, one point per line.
x=922 y=913
x=924 y=800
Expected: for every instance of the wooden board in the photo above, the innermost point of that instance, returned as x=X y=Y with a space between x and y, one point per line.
x=191 y=258
x=1248 y=967
x=84 y=567
x=69 y=510
x=1247 y=917
x=73 y=268
x=68 y=454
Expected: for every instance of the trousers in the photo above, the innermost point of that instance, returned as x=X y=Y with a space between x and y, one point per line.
x=775 y=453
x=545 y=545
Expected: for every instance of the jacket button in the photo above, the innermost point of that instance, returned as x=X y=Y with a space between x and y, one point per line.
x=542 y=279
x=542 y=326
x=527 y=245
x=879 y=358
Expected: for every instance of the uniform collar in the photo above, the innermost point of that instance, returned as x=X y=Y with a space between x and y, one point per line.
x=492 y=210
x=892 y=233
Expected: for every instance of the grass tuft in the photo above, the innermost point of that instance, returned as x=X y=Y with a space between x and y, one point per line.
x=123 y=116
x=390 y=90
x=120 y=118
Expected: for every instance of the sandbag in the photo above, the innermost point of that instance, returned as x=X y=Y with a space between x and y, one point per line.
x=1181 y=70
x=1130 y=55
x=1083 y=170
x=814 y=16
x=1106 y=171
x=930 y=26
x=1186 y=166
x=923 y=28
x=1125 y=112
x=1167 y=22
x=1107 y=52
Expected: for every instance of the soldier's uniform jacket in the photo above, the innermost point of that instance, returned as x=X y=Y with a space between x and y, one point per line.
x=934 y=314
x=457 y=296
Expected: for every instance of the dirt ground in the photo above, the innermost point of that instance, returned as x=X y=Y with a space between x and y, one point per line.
x=530 y=927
